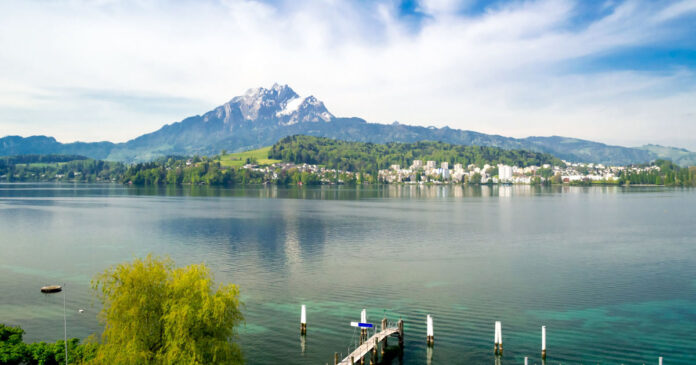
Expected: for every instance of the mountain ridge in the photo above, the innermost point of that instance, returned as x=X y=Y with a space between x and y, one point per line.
x=261 y=116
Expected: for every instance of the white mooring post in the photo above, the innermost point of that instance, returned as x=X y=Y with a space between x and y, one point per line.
x=499 y=337
x=495 y=339
x=429 y=330
x=543 y=342
x=303 y=320
x=660 y=360
x=363 y=331
x=526 y=360
x=498 y=348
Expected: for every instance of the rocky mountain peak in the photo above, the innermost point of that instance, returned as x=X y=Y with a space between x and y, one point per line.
x=279 y=105
x=309 y=109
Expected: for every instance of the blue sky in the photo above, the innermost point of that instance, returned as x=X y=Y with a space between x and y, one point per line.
x=619 y=72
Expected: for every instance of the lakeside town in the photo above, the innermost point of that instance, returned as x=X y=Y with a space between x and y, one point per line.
x=432 y=172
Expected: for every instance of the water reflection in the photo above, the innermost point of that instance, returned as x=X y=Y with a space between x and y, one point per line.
x=280 y=235
x=324 y=192
x=590 y=262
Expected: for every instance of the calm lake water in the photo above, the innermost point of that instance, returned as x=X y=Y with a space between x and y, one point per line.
x=610 y=271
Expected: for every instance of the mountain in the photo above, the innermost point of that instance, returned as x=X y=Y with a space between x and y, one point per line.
x=42 y=145
x=262 y=116
x=679 y=156
x=257 y=118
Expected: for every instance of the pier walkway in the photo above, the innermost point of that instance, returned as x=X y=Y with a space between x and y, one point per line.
x=370 y=345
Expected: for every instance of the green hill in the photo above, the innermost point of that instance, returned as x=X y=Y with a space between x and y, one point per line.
x=370 y=157
x=679 y=156
x=239 y=159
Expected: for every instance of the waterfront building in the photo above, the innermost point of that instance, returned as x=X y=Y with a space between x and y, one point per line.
x=445 y=172
x=505 y=173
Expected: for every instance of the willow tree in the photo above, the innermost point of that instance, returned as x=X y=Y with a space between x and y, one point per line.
x=155 y=313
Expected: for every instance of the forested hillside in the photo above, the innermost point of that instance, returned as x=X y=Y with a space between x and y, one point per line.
x=370 y=157
x=58 y=168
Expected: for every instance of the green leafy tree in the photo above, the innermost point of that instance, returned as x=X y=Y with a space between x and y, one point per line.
x=12 y=349
x=557 y=179
x=155 y=313
x=475 y=179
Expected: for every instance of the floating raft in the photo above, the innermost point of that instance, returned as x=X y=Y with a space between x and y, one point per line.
x=51 y=289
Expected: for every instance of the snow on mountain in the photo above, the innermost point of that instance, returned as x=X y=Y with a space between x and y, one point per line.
x=291 y=106
x=261 y=103
x=278 y=105
x=300 y=110
x=310 y=110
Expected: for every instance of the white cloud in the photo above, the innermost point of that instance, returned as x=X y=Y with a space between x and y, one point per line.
x=503 y=71
x=676 y=10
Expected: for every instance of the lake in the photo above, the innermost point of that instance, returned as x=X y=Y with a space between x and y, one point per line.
x=610 y=271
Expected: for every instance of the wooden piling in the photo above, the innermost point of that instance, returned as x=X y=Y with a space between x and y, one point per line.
x=385 y=341
x=430 y=339
x=303 y=320
x=543 y=342
x=335 y=358
x=400 y=325
x=374 y=353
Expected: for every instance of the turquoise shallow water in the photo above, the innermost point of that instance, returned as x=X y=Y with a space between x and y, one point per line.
x=611 y=272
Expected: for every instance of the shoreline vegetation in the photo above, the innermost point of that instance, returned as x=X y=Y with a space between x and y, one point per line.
x=187 y=319
x=305 y=160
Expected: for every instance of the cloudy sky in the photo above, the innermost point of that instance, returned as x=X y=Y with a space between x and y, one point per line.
x=619 y=72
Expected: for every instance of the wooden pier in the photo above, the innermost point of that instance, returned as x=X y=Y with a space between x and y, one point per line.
x=371 y=345
x=375 y=345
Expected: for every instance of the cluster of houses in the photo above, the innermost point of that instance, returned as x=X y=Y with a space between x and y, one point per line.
x=597 y=172
x=434 y=172
x=271 y=172
x=430 y=172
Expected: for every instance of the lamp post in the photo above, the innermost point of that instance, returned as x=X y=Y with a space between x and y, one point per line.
x=56 y=289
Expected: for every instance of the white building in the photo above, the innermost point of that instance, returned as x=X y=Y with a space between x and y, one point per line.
x=504 y=173
x=444 y=166
x=430 y=164
x=445 y=172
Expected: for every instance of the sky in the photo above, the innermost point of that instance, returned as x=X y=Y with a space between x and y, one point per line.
x=618 y=72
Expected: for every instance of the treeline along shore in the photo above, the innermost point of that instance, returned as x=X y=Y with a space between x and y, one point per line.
x=307 y=160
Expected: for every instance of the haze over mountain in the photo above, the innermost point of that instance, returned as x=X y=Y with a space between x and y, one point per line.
x=262 y=116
